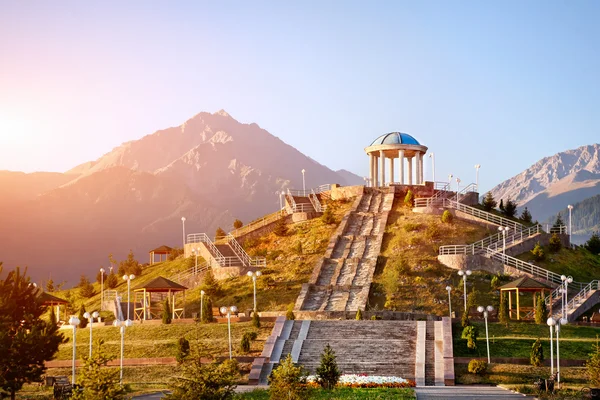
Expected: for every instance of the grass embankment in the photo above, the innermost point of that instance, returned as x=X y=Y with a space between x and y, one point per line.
x=576 y=342
x=341 y=393
x=409 y=275
x=582 y=265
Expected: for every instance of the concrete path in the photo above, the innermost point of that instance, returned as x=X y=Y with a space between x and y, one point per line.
x=465 y=392
x=151 y=396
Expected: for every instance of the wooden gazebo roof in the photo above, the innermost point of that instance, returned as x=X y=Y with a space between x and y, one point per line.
x=161 y=250
x=525 y=284
x=51 y=300
x=161 y=284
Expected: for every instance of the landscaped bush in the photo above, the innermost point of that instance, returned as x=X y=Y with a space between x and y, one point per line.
x=470 y=333
x=287 y=381
x=541 y=311
x=328 y=373
x=410 y=226
x=358 y=315
x=478 y=367
x=205 y=381
x=245 y=344
x=538 y=252
x=255 y=319
x=409 y=199
x=592 y=366
x=183 y=349
x=537 y=353
x=289 y=315
x=447 y=217
x=166 y=314
x=554 y=244
x=433 y=232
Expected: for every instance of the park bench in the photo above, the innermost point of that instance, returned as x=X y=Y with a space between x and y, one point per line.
x=62 y=387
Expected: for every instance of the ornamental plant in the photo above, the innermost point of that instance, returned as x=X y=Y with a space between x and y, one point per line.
x=289 y=315
x=255 y=319
x=536 y=356
x=409 y=199
x=288 y=381
x=183 y=349
x=470 y=333
x=166 y=314
x=328 y=373
x=477 y=367
x=359 y=315
x=98 y=381
x=447 y=217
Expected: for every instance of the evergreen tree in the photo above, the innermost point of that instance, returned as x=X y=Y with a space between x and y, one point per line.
x=593 y=244
x=130 y=266
x=554 y=243
x=220 y=233
x=112 y=281
x=287 y=381
x=559 y=222
x=82 y=320
x=255 y=320
x=98 y=381
x=52 y=317
x=245 y=343
x=86 y=289
x=488 y=202
x=504 y=315
x=470 y=333
x=207 y=306
x=26 y=340
x=409 y=199
x=50 y=286
x=592 y=366
x=526 y=216
x=510 y=208
x=328 y=373
x=541 y=312
x=237 y=224
x=536 y=356
x=205 y=381
x=210 y=285
x=359 y=315
x=166 y=314
x=501 y=206
x=183 y=349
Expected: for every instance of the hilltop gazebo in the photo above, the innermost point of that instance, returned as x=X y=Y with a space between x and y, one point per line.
x=394 y=145
x=162 y=288
x=524 y=284
x=160 y=251
x=50 y=300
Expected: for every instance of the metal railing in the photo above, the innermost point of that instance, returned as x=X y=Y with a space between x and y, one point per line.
x=441 y=185
x=290 y=199
x=487 y=216
x=562 y=229
x=582 y=296
x=314 y=199
x=245 y=257
x=212 y=249
x=494 y=242
x=259 y=223
x=470 y=188
x=189 y=273
x=297 y=193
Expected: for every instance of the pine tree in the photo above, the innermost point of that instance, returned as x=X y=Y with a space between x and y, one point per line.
x=554 y=244
x=409 y=199
x=501 y=206
x=328 y=373
x=207 y=306
x=112 y=281
x=26 y=340
x=220 y=233
x=245 y=343
x=255 y=320
x=183 y=349
x=541 y=312
x=593 y=244
x=237 y=224
x=510 y=208
x=488 y=202
x=503 y=315
x=98 y=381
x=130 y=266
x=559 y=222
x=50 y=286
x=205 y=381
x=86 y=289
x=536 y=356
x=287 y=381
x=166 y=315
x=82 y=320
x=101 y=276
x=526 y=216
x=210 y=285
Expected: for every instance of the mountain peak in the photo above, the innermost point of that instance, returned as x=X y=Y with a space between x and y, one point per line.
x=222 y=113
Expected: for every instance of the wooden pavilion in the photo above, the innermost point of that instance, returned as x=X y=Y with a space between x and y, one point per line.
x=50 y=301
x=148 y=298
x=160 y=251
x=522 y=285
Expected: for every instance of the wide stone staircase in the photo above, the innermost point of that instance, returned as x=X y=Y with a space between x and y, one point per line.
x=384 y=348
x=222 y=252
x=342 y=279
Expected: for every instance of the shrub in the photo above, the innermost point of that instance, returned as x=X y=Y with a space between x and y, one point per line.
x=358 y=315
x=503 y=315
x=207 y=313
x=220 y=232
x=495 y=282
x=255 y=320
x=537 y=353
x=526 y=216
x=245 y=343
x=237 y=224
x=464 y=320
x=327 y=372
x=470 y=333
x=112 y=281
x=205 y=381
x=86 y=289
x=166 y=314
x=97 y=381
x=409 y=199
x=554 y=244
x=478 y=367
x=175 y=252
x=411 y=226
x=298 y=248
x=538 y=252
x=592 y=366
x=183 y=349
x=281 y=228
x=593 y=244
x=289 y=315
x=447 y=217
x=287 y=381
x=375 y=317
x=82 y=320
x=432 y=232
x=328 y=217
x=541 y=312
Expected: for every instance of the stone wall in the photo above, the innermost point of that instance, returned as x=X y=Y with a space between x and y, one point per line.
x=425 y=190
x=384 y=315
x=345 y=192
x=258 y=232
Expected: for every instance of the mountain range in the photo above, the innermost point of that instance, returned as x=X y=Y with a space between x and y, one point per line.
x=211 y=169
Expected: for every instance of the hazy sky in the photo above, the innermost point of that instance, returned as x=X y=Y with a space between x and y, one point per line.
x=497 y=83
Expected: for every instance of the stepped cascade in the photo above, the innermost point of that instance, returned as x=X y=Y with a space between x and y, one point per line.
x=342 y=279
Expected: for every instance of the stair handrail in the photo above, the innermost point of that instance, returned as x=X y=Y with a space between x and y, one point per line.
x=582 y=295
x=312 y=196
x=481 y=214
x=470 y=188
x=290 y=198
x=215 y=253
x=259 y=223
x=492 y=241
x=428 y=201
x=245 y=257
x=119 y=308
x=185 y=275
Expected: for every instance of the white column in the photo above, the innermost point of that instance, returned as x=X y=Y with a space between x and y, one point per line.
x=382 y=167
x=371 y=172
x=409 y=161
x=418 y=168
x=392 y=170
x=376 y=170
x=401 y=157
x=422 y=170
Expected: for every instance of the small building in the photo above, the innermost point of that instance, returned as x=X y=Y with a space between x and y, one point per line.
x=160 y=251
x=523 y=285
x=148 y=299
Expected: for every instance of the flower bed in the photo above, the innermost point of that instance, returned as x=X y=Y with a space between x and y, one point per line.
x=366 y=381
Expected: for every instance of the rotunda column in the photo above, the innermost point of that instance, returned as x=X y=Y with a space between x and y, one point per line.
x=418 y=168
x=401 y=160
x=422 y=172
x=409 y=161
x=371 y=172
x=376 y=170
x=392 y=170
x=382 y=155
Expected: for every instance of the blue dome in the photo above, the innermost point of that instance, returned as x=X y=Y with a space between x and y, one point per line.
x=395 y=138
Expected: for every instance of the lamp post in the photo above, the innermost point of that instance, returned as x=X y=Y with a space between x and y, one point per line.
x=228 y=311
x=432 y=156
x=449 y=289
x=551 y=322
x=457 y=188
x=196 y=251
x=128 y=278
x=464 y=274
x=570 y=207
x=303 y=183
x=101 y=289
x=559 y=322
x=485 y=312
x=74 y=321
x=477 y=166
x=254 y=275
x=183 y=227
x=503 y=230
x=565 y=295
x=202 y=293
x=91 y=317
x=122 y=325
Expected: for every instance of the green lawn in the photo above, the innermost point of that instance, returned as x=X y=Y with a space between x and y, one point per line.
x=582 y=265
x=511 y=374
x=341 y=393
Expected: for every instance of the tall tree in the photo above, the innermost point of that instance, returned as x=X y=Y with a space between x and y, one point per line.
x=526 y=216
x=541 y=312
x=501 y=206
x=97 y=381
x=510 y=208
x=559 y=221
x=328 y=373
x=26 y=340
x=130 y=265
x=488 y=202
x=593 y=244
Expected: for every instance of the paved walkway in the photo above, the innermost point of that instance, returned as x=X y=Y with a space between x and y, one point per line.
x=466 y=392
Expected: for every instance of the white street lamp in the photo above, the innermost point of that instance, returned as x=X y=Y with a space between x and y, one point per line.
x=202 y=293
x=101 y=289
x=303 y=183
x=254 y=275
x=551 y=322
x=561 y=321
x=570 y=207
x=432 y=156
x=449 y=289
x=280 y=193
x=196 y=251
x=74 y=321
x=477 y=166
x=91 y=318
x=503 y=230
x=128 y=278
x=464 y=274
x=228 y=312
x=565 y=295
x=485 y=312
x=122 y=325
x=457 y=188
x=183 y=226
